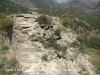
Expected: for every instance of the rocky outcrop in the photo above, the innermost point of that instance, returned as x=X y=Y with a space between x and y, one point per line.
x=30 y=51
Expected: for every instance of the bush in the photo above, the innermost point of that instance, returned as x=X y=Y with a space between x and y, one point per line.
x=75 y=44
x=5 y=22
x=58 y=32
x=24 y=32
x=53 y=43
x=12 y=63
x=65 y=22
x=33 y=35
x=89 y=42
x=6 y=27
x=41 y=40
x=45 y=57
x=81 y=39
x=43 y=19
x=4 y=48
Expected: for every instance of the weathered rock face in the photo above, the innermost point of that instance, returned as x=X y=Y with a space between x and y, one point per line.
x=29 y=53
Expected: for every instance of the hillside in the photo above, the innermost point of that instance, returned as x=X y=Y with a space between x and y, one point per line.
x=83 y=4
x=77 y=17
x=44 y=4
x=33 y=4
x=25 y=3
x=95 y=11
x=8 y=7
x=41 y=44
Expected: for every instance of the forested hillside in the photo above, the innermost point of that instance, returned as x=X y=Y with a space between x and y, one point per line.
x=9 y=7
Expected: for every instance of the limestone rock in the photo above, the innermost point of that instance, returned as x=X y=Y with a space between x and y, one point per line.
x=29 y=52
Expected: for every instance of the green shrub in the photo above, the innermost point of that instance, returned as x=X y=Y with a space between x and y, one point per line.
x=1 y=65
x=24 y=32
x=45 y=57
x=89 y=42
x=58 y=32
x=53 y=43
x=43 y=19
x=12 y=63
x=81 y=39
x=4 y=48
x=33 y=35
x=41 y=40
x=75 y=44
x=5 y=22
x=65 y=22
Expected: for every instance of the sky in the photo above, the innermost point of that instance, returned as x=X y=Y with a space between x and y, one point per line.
x=61 y=0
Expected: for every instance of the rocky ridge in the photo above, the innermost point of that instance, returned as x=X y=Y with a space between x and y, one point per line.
x=29 y=51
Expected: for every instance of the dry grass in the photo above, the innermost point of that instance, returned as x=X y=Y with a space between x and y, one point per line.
x=95 y=58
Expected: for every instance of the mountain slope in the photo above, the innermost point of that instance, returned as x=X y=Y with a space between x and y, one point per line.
x=31 y=4
x=6 y=6
x=75 y=16
x=39 y=51
x=96 y=11
x=83 y=4
x=25 y=3
x=45 y=4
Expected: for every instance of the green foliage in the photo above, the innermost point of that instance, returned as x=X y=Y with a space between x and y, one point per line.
x=75 y=44
x=4 y=48
x=5 y=22
x=7 y=64
x=83 y=69
x=58 y=32
x=82 y=48
x=1 y=65
x=40 y=4
x=53 y=43
x=94 y=43
x=72 y=15
x=89 y=42
x=40 y=39
x=8 y=7
x=24 y=32
x=81 y=39
x=65 y=22
x=12 y=63
x=33 y=35
x=43 y=19
x=45 y=57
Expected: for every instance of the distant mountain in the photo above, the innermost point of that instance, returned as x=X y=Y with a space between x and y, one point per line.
x=83 y=4
x=45 y=4
x=96 y=11
x=8 y=7
x=32 y=4
x=90 y=6
x=25 y=3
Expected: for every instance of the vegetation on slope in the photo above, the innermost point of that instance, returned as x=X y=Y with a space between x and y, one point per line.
x=8 y=7
x=89 y=42
x=40 y=4
x=6 y=27
x=75 y=18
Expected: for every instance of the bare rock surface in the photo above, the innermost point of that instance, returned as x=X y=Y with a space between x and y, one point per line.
x=29 y=53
